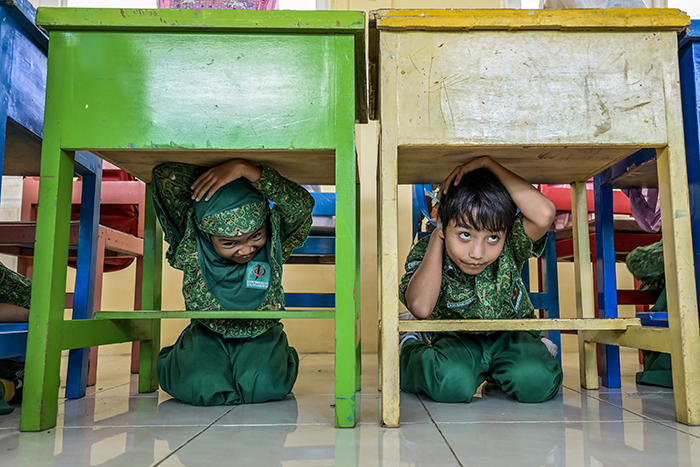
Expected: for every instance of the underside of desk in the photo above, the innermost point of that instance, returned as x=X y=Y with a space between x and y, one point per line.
x=22 y=151
x=306 y=167
x=540 y=164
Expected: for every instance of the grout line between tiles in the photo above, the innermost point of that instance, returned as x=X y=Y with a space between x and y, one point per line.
x=441 y=433
x=645 y=417
x=193 y=438
x=542 y=422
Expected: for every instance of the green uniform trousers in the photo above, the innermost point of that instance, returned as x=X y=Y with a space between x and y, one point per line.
x=452 y=369
x=205 y=368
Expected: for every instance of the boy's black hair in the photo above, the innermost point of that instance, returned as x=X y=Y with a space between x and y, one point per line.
x=479 y=200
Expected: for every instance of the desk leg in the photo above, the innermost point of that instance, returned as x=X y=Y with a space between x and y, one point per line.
x=388 y=238
x=345 y=305
x=680 y=285
x=151 y=294
x=358 y=294
x=583 y=272
x=680 y=275
x=346 y=246
x=44 y=340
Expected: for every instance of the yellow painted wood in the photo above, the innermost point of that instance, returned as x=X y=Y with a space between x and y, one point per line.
x=657 y=339
x=446 y=86
x=609 y=324
x=446 y=117
x=420 y=164
x=583 y=277
x=189 y=314
x=388 y=244
x=678 y=256
x=577 y=20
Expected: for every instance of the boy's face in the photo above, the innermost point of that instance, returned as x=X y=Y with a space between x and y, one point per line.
x=470 y=249
x=242 y=248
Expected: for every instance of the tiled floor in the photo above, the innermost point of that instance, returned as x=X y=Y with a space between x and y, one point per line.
x=115 y=426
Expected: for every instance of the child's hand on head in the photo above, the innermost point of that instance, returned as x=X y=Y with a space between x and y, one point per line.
x=210 y=181
x=458 y=172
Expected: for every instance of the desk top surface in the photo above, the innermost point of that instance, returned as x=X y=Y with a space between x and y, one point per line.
x=25 y=14
x=514 y=20
x=284 y=21
x=692 y=34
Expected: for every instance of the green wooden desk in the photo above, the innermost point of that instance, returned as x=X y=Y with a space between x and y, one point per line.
x=141 y=87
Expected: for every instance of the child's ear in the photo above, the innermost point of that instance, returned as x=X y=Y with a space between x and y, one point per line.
x=439 y=230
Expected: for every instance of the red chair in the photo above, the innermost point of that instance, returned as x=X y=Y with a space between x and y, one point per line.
x=627 y=236
x=120 y=241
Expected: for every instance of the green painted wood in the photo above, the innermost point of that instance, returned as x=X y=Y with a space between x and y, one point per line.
x=158 y=20
x=151 y=294
x=136 y=89
x=77 y=334
x=242 y=72
x=275 y=26
x=43 y=358
x=358 y=295
x=345 y=254
x=154 y=314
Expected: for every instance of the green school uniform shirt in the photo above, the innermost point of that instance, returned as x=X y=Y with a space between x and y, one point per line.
x=290 y=221
x=498 y=292
x=15 y=289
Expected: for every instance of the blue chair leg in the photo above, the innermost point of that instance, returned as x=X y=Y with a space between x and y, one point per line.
x=83 y=303
x=550 y=284
x=606 y=277
x=689 y=61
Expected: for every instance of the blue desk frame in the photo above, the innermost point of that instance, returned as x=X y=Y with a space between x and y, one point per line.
x=23 y=61
x=640 y=170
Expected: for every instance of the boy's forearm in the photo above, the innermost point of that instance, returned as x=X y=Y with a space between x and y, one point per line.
x=538 y=210
x=424 y=287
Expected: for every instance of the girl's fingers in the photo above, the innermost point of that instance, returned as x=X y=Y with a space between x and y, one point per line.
x=203 y=189
x=213 y=189
x=201 y=180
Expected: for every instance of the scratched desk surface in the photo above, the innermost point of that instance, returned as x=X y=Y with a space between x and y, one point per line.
x=149 y=86
x=555 y=96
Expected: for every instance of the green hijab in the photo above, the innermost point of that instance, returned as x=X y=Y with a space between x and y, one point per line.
x=235 y=209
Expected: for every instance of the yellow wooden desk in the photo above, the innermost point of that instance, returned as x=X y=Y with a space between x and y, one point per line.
x=557 y=97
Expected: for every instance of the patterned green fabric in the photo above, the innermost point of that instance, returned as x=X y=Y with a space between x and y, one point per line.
x=15 y=289
x=224 y=215
x=646 y=263
x=290 y=220
x=498 y=292
x=235 y=222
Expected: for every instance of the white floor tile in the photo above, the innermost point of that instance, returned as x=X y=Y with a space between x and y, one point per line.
x=114 y=425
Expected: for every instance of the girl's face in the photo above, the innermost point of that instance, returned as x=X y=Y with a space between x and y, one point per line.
x=242 y=248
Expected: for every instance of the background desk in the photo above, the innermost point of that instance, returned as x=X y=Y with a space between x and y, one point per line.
x=557 y=97
x=23 y=63
x=141 y=87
